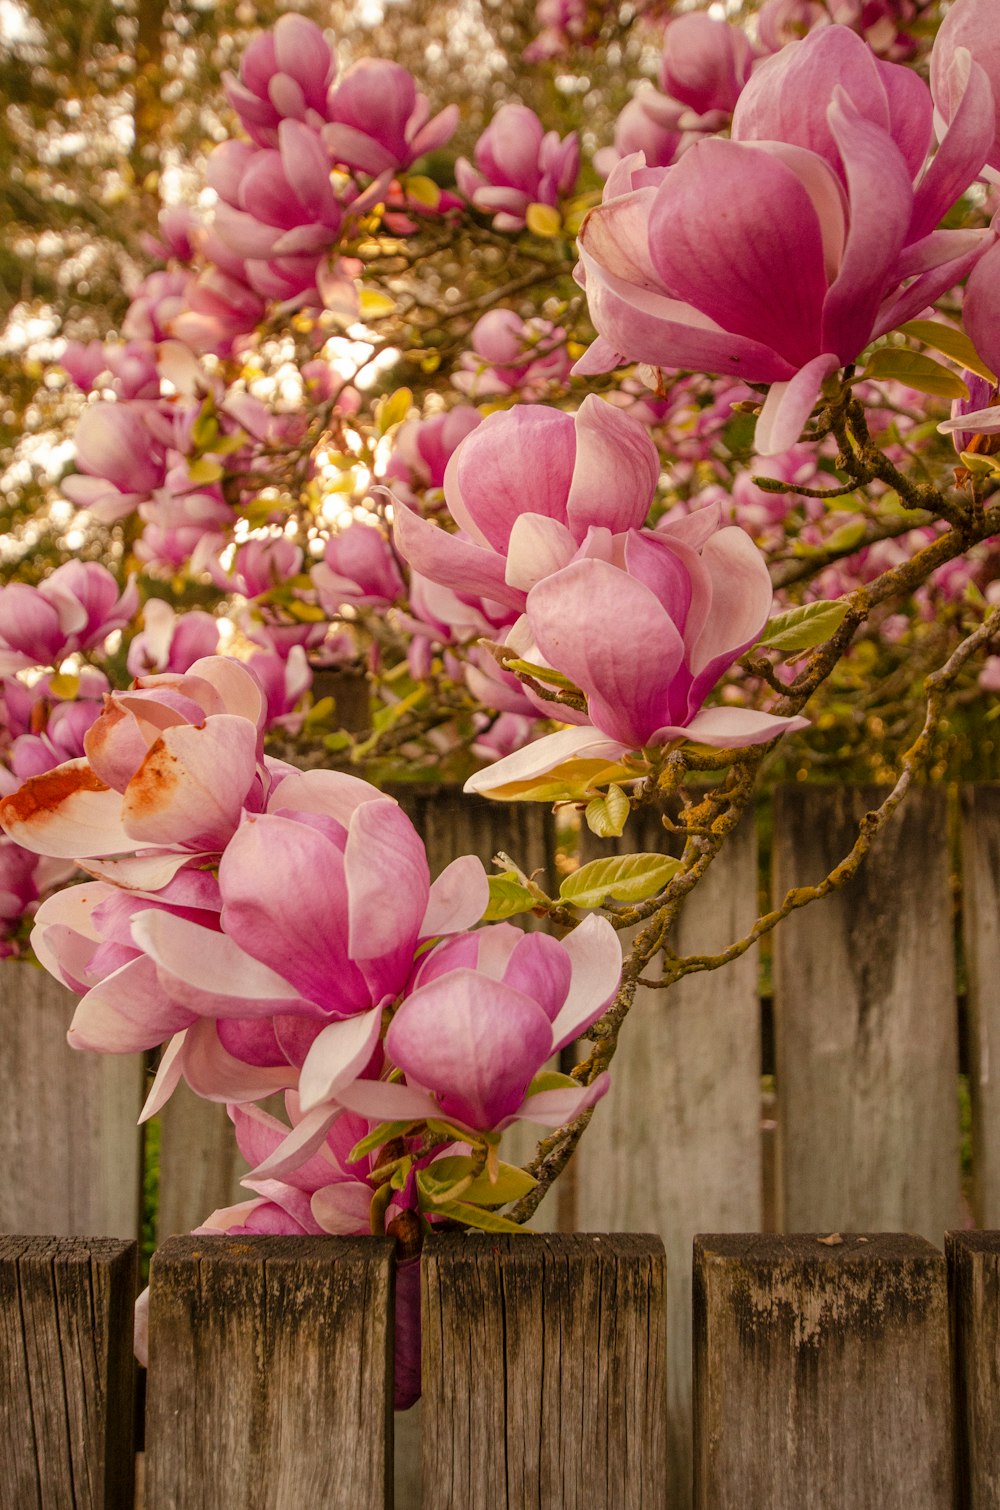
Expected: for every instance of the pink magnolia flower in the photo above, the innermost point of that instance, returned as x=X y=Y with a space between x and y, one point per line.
x=808 y=265
x=170 y=641
x=359 y=569
x=276 y=202
x=75 y=608
x=969 y=25
x=285 y=680
x=651 y=124
x=510 y=355
x=24 y=879
x=118 y=462
x=258 y=566
x=518 y=164
x=645 y=641
x=424 y=447
x=596 y=469
x=170 y=766
x=378 y=123
x=285 y=74
x=486 y=1012
x=61 y=739
x=705 y=64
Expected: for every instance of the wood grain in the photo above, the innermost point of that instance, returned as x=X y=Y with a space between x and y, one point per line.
x=974 y=1280
x=67 y=1119
x=980 y=848
x=544 y=1373
x=270 y=1374
x=675 y=1145
x=821 y=1374
x=200 y=1164
x=865 y=1018
x=66 y=1373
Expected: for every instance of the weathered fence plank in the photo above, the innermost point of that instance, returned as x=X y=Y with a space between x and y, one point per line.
x=821 y=1373
x=270 y=1374
x=675 y=1144
x=200 y=1164
x=67 y=1120
x=865 y=1018
x=66 y=1373
x=974 y=1281
x=980 y=840
x=543 y=1373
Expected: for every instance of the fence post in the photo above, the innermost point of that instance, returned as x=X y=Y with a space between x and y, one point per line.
x=544 y=1373
x=676 y=1144
x=67 y=1119
x=821 y=1373
x=865 y=1019
x=974 y=1283
x=270 y=1374
x=66 y=1373
x=980 y=834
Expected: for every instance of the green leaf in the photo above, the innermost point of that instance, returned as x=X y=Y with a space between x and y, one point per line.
x=508 y=897
x=625 y=878
x=64 y=684
x=551 y=1080
x=951 y=343
x=607 y=816
x=384 y=1133
x=543 y=674
x=441 y=1176
x=805 y=627
x=475 y=1216
x=848 y=537
x=204 y=471
x=393 y=409
x=915 y=370
x=543 y=220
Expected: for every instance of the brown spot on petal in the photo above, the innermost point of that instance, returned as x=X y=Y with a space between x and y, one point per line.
x=153 y=784
x=47 y=793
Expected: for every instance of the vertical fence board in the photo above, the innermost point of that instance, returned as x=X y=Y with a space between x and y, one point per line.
x=200 y=1164
x=270 y=1374
x=980 y=835
x=974 y=1281
x=821 y=1374
x=865 y=1018
x=544 y=1373
x=66 y=1373
x=67 y=1119
x=676 y=1142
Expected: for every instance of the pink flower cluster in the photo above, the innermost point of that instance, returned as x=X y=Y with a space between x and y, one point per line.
x=829 y=237
x=517 y=164
x=196 y=933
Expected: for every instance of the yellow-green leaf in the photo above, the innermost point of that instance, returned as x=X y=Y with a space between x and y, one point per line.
x=951 y=343
x=203 y=471
x=424 y=191
x=373 y=305
x=444 y=1174
x=508 y=897
x=607 y=816
x=475 y=1216
x=804 y=628
x=915 y=370
x=393 y=409
x=65 y=685
x=623 y=878
x=543 y=220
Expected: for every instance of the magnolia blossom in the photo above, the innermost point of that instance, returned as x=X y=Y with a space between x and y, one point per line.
x=510 y=355
x=358 y=568
x=518 y=164
x=75 y=608
x=705 y=64
x=171 y=641
x=379 y=123
x=285 y=74
x=596 y=469
x=486 y=1011
x=968 y=25
x=651 y=124
x=423 y=448
x=118 y=462
x=847 y=250
x=645 y=639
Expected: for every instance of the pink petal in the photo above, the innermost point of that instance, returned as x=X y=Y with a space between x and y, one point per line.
x=208 y=972
x=168 y=1076
x=457 y=899
x=524 y=767
x=127 y=1013
x=540 y=968
x=337 y=1057
x=66 y=813
x=616 y=470
x=384 y=1101
x=336 y=794
x=788 y=406
x=191 y=787
x=215 y=1074
x=611 y=636
x=556 y=1108
x=343 y=1208
x=456 y=563
x=595 y=954
x=732 y=728
x=388 y=884
x=484 y=482
x=538 y=547
x=299 y=1145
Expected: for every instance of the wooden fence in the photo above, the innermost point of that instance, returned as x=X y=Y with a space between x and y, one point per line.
x=859 y=1026
x=824 y=1374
